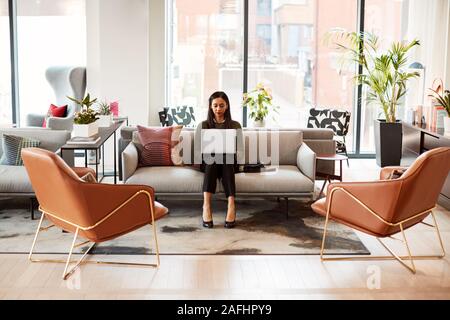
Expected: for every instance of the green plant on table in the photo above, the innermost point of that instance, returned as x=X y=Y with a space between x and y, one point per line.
x=104 y=108
x=259 y=101
x=86 y=116
x=442 y=97
x=85 y=103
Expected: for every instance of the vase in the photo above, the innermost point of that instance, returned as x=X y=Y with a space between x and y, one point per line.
x=388 y=143
x=85 y=130
x=259 y=123
x=105 y=121
x=447 y=125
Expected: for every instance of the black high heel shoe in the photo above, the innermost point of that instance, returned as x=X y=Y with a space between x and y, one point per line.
x=209 y=224
x=230 y=225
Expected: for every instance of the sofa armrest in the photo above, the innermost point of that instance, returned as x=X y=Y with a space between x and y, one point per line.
x=318 y=134
x=306 y=161
x=35 y=120
x=130 y=159
x=327 y=147
x=55 y=123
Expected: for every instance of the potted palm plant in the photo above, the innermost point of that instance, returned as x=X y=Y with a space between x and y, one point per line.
x=85 y=124
x=259 y=102
x=104 y=114
x=442 y=97
x=385 y=76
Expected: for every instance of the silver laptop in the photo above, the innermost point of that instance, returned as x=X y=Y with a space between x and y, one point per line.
x=218 y=141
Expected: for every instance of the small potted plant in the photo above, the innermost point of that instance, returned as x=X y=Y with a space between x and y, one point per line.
x=259 y=102
x=442 y=97
x=85 y=121
x=104 y=114
x=85 y=103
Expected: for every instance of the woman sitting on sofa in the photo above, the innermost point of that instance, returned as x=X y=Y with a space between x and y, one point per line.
x=219 y=117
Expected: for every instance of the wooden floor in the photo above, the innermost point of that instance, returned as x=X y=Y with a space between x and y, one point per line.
x=245 y=277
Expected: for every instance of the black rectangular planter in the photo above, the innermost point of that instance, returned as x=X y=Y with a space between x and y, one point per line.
x=388 y=143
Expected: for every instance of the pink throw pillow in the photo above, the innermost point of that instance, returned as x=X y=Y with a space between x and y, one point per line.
x=158 y=145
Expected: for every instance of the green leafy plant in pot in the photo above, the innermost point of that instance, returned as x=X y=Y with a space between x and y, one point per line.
x=85 y=103
x=85 y=120
x=260 y=104
x=104 y=113
x=385 y=77
x=85 y=117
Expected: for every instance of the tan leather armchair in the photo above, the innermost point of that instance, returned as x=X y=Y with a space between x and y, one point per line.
x=386 y=207
x=93 y=211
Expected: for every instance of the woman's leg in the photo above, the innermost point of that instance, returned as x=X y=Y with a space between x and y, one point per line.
x=207 y=213
x=209 y=187
x=231 y=212
x=229 y=185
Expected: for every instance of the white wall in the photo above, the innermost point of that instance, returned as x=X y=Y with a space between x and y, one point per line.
x=117 y=54
x=157 y=60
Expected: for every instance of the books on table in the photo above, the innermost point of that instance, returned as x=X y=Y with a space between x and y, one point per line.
x=439 y=113
x=84 y=140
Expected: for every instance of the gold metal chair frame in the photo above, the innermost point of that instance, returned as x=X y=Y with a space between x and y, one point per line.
x=67 y=273
x=400 y=224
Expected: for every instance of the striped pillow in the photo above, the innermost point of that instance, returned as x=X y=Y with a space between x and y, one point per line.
x=12 y=148
x=157 y=144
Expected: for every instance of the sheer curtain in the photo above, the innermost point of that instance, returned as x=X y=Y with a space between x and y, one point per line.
x=429 y=22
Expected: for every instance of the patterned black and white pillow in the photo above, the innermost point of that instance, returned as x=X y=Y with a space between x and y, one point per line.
x=336 y=120
x=12 y=148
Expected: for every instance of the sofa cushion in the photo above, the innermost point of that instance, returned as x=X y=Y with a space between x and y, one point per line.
x=288 y=141
x=50 y=140
x=169 y=179
x=14 y=180
x=286 y=179
x=12 y=146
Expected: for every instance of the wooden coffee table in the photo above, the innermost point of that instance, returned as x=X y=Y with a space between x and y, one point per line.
x=328 y=177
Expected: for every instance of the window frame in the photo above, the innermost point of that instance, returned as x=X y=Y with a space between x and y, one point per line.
x=12 y=5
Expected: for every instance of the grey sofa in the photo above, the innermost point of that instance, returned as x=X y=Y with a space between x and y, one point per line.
x=14 y=181
x=294 y=177
x=65 y=81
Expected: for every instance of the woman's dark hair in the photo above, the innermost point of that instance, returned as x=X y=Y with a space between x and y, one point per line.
x=210 y=120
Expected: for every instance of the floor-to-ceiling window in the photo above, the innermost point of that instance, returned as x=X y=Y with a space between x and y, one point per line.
x=49 y=33
x=206 y=53
x=286 y=52
x=5 y=66
x=392 y=21
x=386 y=19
